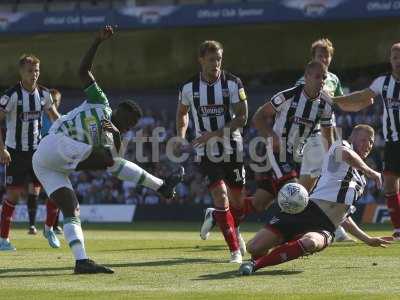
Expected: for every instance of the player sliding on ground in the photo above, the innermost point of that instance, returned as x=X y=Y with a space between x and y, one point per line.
x=88 y=138
x=342 y=182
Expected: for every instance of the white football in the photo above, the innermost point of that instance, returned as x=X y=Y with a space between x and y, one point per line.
x=292 y=198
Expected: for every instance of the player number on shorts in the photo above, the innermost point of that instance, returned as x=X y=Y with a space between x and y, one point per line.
x=239 y=174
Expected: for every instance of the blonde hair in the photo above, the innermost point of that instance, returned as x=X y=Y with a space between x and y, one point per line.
x=56 y=95
x=323 y=43
x=364 y=127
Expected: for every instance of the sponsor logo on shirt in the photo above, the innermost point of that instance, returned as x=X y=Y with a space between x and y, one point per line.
x=30 y=116
x=212 y=110
x=303 y=121
x=393 y=103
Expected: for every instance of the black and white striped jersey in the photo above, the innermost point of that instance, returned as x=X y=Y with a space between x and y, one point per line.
x=389 y=89
x=338 y=182
x=24 y=111
x=211 y=108
x=297 y=115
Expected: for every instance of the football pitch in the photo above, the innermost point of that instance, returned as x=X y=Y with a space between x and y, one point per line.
x=169 y=261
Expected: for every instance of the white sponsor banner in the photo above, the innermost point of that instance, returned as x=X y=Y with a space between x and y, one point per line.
x=96 y=213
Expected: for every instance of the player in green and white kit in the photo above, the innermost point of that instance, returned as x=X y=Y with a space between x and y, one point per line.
x=88 y=138
x=313 y=152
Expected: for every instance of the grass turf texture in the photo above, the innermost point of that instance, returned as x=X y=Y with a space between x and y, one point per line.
x=169 y=261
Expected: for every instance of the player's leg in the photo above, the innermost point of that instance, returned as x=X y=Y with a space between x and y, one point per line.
x=392 y=196
x=235 y=179
x=223 y=217
x=264 y=240
x=15 y=182
x=65 y=198
x=56 y=226
x=101 y=159
x=52 y=212
x=12 y=196
x=214 y=173
x=32 y=203
x=48 y=164
x=391 y=184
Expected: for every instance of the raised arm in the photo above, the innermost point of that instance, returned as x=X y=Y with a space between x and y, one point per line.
x=355 y=101
x=85 y=73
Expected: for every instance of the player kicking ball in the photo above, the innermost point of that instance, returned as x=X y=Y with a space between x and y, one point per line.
x=88 y=138
x=342 y=182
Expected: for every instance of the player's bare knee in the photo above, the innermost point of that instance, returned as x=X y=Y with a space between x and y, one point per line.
x=312 y=242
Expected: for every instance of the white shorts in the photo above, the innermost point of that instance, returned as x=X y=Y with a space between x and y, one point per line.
x=55 y=158
x=313 y=156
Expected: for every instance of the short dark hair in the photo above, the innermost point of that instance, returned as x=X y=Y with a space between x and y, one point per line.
x=132 y=106
x=209 y=46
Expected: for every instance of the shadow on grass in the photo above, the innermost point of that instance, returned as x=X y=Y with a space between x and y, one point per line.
x=187 y=248
x=235 y=274
x=169 y=262
x=35 y=272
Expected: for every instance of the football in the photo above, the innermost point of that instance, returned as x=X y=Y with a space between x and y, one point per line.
x=292 y=198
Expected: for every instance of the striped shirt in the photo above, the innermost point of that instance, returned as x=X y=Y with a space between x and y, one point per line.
x=24 y=111
x=212 y=108
x=297 y=116
x=83 y=123
x=332 y=87
x=339 y=182
x=389 y=89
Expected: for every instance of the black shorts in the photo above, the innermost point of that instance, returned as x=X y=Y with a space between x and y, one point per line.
x=20 y=171
x=312 y=219
x=279 y=174
x=392 y=158
x=231 y=172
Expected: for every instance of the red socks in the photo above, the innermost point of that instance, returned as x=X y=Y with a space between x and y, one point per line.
x=6 y=215
x=226 y=223
x=393 y=204
x=237 y=214
x=52 y=212
x=283 y=253
x=248 y=207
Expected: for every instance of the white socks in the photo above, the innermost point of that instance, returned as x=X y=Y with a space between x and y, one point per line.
x=126 y=170
x=74 y=236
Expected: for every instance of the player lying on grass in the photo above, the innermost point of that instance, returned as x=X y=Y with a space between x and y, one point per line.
x=342 y=182
x=88 y=138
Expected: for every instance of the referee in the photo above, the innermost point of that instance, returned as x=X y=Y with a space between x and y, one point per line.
x=22 y=107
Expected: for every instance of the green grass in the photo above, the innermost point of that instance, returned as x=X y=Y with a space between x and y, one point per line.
x=169 y=261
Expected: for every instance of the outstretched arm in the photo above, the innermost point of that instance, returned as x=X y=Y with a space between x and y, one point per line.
x=85 y=68
x=352 y=227
x=355 y=101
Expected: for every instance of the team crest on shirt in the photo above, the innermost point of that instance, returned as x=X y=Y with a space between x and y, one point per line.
x=225 y=93
x=196 y=95
x=214 y=110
